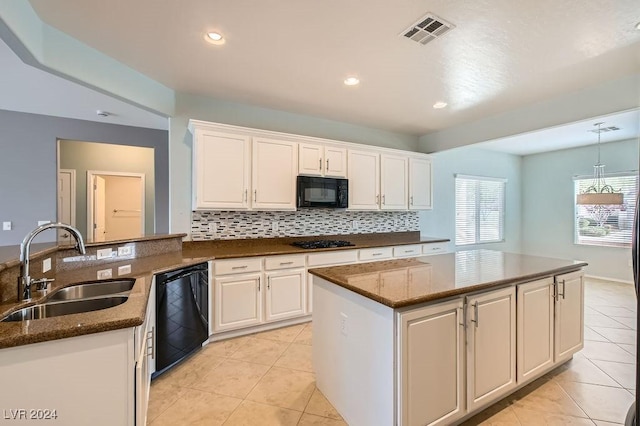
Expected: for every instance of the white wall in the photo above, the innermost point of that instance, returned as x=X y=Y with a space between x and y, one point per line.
x=440 y=222
x=548 y=205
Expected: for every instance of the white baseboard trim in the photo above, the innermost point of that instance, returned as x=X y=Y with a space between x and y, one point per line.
x=615 y=280
x=222 y=335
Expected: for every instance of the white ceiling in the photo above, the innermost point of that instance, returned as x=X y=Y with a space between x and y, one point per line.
x=294 y=55
x=569 y=135
x=28 y=89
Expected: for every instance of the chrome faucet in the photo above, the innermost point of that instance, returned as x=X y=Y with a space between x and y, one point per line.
x=24 y=280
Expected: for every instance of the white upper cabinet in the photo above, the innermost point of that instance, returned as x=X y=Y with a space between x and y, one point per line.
x=221 y=170
x=364 y=180
x=318 y=160
x=274 y=168
x=420 y=188
x=394 y=182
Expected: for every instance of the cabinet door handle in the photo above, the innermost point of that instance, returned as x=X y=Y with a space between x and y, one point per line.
x=376 y=254
x=383 y=197
x=285 y=263
x=377 y=198
x=327 y=164
x=461 y=312
x=320 y=164
x=245 y=194
x=255 y=195
x=239 y=267
x=269 y=283
x=563 y=290
x=475 y=314
x=259 y=283
x=411 y=200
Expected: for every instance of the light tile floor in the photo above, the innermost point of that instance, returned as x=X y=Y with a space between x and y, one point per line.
x=267 y=378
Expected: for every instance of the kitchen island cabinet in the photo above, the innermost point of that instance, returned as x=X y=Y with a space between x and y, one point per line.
x=439 y=341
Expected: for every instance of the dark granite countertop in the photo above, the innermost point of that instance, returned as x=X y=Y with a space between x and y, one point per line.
x=406 y=282
x=132 y=312
x=225 y=249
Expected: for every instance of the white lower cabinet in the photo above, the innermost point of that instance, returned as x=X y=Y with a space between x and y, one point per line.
x=569 y=315
x=431 y=383
x=491 y=346
x=237 y=301
x=286 y=294
x=535 y=328
x=146 y=354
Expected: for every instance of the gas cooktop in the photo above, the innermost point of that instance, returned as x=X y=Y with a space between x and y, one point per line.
x=316 y=244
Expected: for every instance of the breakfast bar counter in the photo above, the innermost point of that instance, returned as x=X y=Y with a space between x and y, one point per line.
x=434 y=340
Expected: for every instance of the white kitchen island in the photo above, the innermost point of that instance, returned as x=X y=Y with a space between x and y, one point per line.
x=434 y=340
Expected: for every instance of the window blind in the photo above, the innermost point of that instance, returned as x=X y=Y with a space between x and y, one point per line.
x=479 y=209
x=606 y=225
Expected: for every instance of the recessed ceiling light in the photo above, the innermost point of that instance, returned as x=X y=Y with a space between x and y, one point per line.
x=440 y=105
x=351 y=81
x=214 y=37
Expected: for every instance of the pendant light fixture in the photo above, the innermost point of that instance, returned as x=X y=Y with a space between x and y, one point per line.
x=599 y=193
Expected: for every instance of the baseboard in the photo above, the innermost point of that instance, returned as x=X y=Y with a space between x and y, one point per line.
x=615 y=280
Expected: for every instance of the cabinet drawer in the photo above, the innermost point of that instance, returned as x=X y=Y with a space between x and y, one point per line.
x=283 y=262
x=333 y=258
x=237 y=266
x=376 y=253
x=403 y=251
x=434 y=248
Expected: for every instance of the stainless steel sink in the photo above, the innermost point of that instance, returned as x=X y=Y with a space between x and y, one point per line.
x=48 y=310
x=93 y=289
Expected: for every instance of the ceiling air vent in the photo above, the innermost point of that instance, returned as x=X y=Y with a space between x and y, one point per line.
x=427 y=28
x=605 y=129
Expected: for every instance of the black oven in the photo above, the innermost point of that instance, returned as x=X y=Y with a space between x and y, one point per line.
x=323 y=192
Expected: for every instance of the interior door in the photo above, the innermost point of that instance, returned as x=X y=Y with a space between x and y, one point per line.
x=66 y=201
x=99 y=213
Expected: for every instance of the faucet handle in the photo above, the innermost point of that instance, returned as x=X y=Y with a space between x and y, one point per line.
x=42 y=283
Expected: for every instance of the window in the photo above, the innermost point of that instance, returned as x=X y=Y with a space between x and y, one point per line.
x=479 y=209
x=606 y=225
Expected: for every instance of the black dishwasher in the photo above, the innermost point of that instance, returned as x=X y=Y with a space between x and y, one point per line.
x=182 y=314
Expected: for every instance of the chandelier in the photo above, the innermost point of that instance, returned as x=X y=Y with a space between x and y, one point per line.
x=599 y=193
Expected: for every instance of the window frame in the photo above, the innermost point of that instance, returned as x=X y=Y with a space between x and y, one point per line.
x=477 y=205
x=597 y=241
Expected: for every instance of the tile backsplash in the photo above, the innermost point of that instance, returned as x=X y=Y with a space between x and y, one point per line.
x=229 y=225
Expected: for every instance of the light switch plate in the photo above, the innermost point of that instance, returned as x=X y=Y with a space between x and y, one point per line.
x=6 y=226
x=104 y=254
x=124 y=251
x=46 y=265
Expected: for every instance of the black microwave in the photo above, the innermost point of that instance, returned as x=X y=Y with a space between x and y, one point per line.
x=323 y=192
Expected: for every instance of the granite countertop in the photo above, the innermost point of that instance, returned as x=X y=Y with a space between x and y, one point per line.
x=406 y=282
x=226 y=249
x=129 y=314
x=132 y=312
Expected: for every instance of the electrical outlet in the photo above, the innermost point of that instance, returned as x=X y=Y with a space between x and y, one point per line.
x=46 y=265
x=343 y=323
x=355 y=224
x=6 y=226
x=105 y=273
x=125 y=251
x=124 y=269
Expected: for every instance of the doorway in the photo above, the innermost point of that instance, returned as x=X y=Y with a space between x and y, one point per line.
x=66 y=201
x=115 y=205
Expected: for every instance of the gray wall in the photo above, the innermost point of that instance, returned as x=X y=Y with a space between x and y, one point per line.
x=441 y=221
x=548 y=205
x=83 y=156
x=28 y=166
